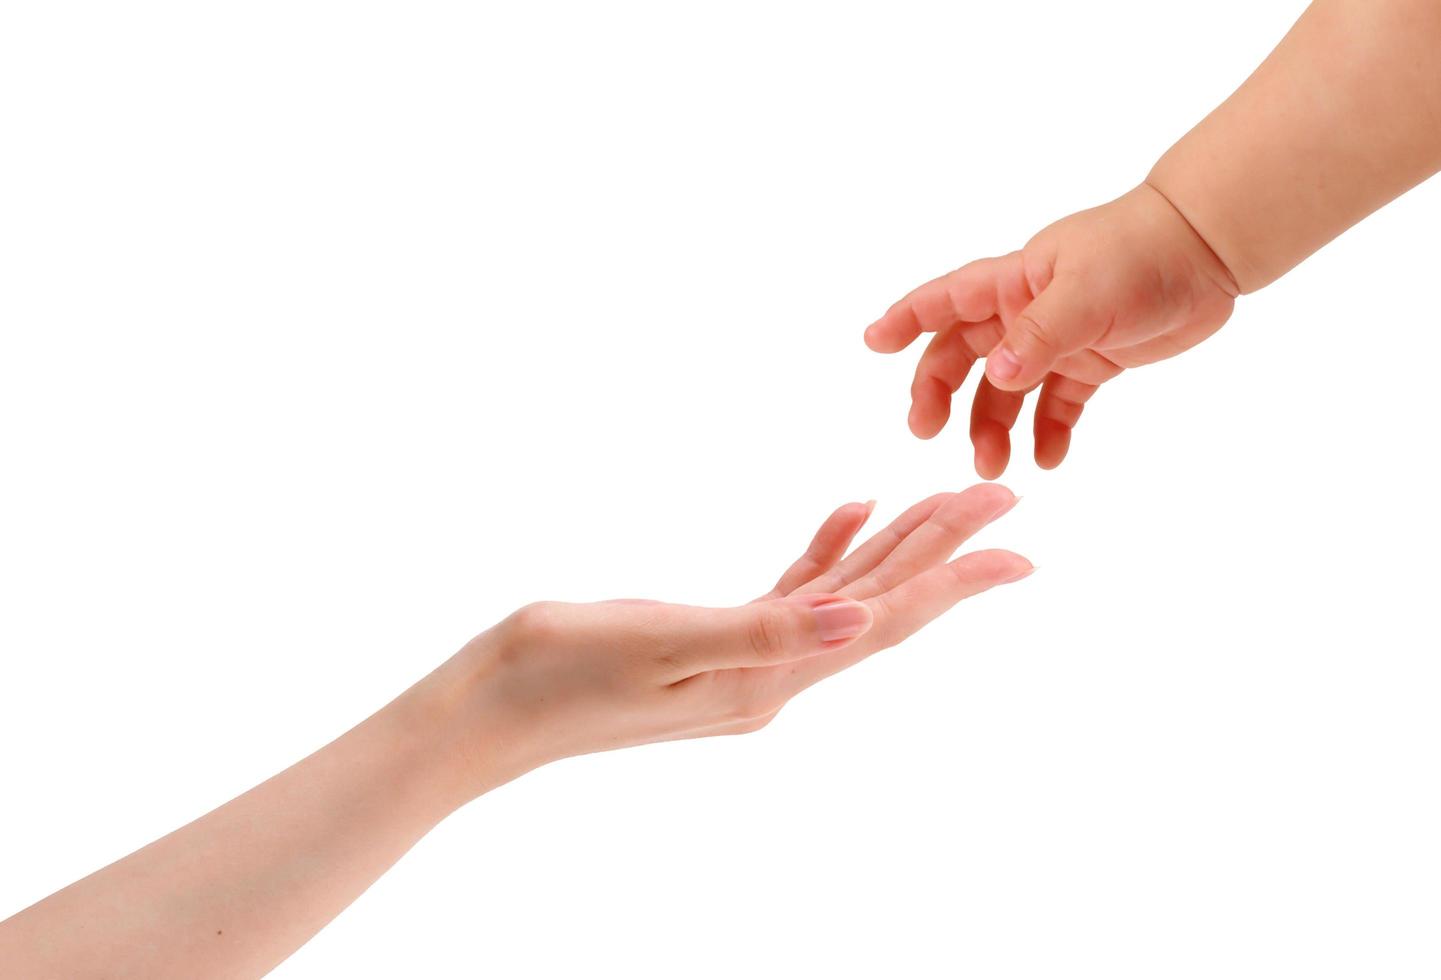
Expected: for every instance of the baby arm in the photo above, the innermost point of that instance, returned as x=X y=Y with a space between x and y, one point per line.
x=1342 y=117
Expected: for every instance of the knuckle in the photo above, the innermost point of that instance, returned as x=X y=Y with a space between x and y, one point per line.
x=963 y=570
x=886 y=622
x=766 y=634
x=872 y=583
x=1038 y=263
x=536 y=622
x=1034 y=331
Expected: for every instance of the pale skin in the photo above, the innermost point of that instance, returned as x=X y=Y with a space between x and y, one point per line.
x=238 y=890
x=1344 y=116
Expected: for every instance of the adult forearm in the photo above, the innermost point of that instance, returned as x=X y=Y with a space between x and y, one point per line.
x=1344 y=116
x=238 y=890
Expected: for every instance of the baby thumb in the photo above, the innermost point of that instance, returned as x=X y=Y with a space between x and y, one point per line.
x=1056 y=323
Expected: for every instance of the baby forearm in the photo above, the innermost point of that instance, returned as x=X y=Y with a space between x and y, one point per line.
x=1344 y=116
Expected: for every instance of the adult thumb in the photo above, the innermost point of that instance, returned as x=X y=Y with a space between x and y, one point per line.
x=776 y=631
x=1056 y=323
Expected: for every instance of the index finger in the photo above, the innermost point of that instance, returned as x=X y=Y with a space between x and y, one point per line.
x=967 y=295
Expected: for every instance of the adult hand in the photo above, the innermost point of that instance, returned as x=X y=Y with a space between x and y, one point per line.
x=561 y=679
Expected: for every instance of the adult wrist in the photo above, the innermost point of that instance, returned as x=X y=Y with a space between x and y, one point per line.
x=461 y=740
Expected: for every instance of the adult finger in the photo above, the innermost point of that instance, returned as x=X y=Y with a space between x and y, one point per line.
x=936 y=539
x=694 y=639
x=905 y=610
x=875 y=549
x=826 y=548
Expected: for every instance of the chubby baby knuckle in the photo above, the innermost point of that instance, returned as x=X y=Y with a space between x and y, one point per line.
x=1036 y=333
x=1038 y=261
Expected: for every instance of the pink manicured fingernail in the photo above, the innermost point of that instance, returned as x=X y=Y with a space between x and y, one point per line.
x=870 y=508
x=1003 y=365
x=842 y=620
x=1018 y=577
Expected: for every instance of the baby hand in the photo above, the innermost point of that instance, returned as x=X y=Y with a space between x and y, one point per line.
x=1118 y=286
x=560 y=679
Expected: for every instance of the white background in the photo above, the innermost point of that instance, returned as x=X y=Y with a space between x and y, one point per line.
x=330 y=333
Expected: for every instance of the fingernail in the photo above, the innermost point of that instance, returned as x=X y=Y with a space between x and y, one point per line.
x=843 y=620
x=1006 y=509
x=870 y=508
x=1003 y=365
x=1018 y=577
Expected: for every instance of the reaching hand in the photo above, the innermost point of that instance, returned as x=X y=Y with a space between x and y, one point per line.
x=560 y=679
x=1118 y=286
x=236 y=891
